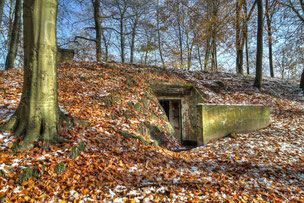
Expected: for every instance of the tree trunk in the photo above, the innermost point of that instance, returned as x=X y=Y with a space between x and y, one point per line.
x=133 y=40
x=239 y=50
x=2 y=2
x=207 y=52
x=10 y=22
x=15 y=34
x=180 y=38
x=214 y=57
x=246 y=37
x=199 y=57
x=160 y=48
x=146 y=56
x=189 y=58
x=105 y=46
x=97 y=19
x=159 y=37
x=302 y=80
x=37 y=114
x=189 y=51
x=214 y=37
x=122 y=41
x=239 y=61
x=269 y=32
x=259 y=56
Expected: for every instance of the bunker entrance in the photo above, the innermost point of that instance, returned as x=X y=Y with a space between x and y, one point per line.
x=173 y=109
x=197 y=123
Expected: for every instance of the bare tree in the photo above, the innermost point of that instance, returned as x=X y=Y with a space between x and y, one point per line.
x=2 y=2
x=269 y=14
x=97 y=20
x=259 y=52
x=241 y=32
x=14 y=39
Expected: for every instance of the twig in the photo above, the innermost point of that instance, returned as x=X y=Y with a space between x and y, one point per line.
x=178 y=183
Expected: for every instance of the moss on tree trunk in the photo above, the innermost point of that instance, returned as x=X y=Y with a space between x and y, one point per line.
x=37 y=115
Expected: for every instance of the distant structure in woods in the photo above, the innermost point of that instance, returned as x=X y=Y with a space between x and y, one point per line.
x=65 y=55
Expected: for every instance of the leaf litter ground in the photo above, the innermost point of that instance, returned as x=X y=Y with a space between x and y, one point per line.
x=266 y=165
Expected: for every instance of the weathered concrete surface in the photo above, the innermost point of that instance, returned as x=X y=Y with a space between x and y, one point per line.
x=65 y=55
x=189 y=97
x=216 y=121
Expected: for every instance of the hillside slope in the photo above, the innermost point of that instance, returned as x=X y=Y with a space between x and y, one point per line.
x=98 y=163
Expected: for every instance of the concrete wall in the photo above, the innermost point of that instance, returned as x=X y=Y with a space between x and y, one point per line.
x=65 y=55
x=216 y=121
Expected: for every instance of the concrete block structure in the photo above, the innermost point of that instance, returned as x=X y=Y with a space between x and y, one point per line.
x=195 y=123
x=65 y=55
x=216 y=121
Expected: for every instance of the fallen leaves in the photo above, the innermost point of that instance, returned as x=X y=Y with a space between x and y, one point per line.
x=265 y=165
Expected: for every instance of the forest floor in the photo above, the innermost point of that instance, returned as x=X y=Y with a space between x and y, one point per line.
x=97 y=163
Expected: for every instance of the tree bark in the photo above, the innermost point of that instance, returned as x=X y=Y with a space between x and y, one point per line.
x=159 y=36
x=259 y=56
x=214 y=56
x=15 y=34
x=246 y=37
x=38 y=113
x=199 y=57
x=2 y=2
x=302 y=80
x=207 y=51
x=180 y=38
x=189 y=51
x=10 y=22
x=133 y=40
x=239 y=50
x=105 y=46
x=122 y=41
x=214 y=36
x=97 y=20
x=269 y=32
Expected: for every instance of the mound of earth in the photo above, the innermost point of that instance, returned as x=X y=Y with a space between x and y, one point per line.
x=113 y=160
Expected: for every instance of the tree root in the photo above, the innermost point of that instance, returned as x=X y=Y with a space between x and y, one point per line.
x=129 y=135
x=41 y=130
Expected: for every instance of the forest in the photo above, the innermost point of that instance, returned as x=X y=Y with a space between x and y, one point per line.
x=196 y=35
x=121 y=119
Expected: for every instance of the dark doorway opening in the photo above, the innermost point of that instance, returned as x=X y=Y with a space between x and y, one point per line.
x=173 y=109
x=166 y=106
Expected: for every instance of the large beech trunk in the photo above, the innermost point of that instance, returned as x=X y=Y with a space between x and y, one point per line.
x=37 y=114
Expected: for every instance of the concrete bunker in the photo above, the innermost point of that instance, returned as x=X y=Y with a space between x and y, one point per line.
x=179 y=102
x=65 y=55
x=195 y=123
